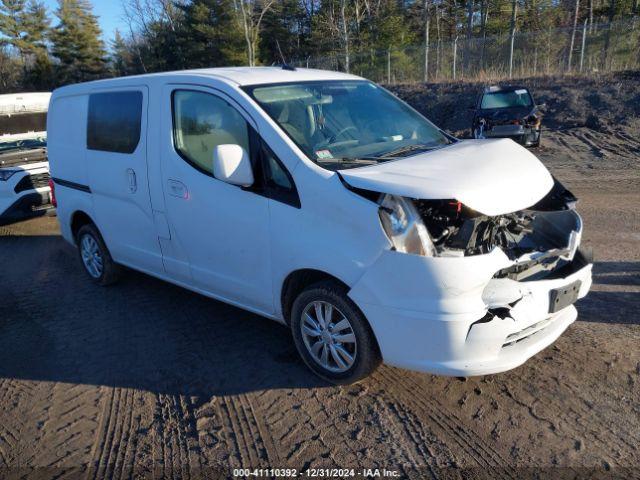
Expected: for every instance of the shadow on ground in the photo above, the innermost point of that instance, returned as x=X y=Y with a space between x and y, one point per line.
x=615 y=297
x=142 y=333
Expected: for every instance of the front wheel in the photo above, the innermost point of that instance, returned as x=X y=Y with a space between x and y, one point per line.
x=332 y=336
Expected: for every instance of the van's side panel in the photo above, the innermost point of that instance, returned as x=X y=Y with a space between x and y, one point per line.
x=122 y=205
x=66 y=146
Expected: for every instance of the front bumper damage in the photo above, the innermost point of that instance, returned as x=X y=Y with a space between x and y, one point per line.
x=471 y=315
x=523 y=134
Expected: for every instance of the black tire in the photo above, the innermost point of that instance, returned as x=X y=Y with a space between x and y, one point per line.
x=367 y=357
x=111 y=271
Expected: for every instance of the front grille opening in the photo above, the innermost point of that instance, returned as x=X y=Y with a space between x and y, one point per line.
x=32 y=182
x=527 y=332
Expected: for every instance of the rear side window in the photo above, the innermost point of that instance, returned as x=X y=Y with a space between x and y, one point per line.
x=114 y=121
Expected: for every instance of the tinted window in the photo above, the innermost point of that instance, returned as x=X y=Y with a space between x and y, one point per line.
x=114 y=121
x=201 y=123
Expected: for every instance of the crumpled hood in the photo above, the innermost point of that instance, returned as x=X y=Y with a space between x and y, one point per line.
x=493 y=177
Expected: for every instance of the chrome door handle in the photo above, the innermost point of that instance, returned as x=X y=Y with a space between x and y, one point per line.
x=133 y=183
x=177 y=189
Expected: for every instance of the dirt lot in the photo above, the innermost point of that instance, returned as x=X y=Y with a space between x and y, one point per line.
x=147 y=379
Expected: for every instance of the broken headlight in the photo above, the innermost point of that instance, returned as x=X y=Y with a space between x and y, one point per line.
x=404 y=226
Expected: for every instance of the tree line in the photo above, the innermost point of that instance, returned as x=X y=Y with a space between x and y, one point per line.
x=39 y=51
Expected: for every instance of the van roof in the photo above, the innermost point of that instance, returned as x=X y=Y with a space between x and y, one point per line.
x=243 y=76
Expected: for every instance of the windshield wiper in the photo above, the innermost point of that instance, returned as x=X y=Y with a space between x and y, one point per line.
x=418 y=147
x=363 y=160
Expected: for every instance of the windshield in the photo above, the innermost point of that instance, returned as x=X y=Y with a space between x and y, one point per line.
x=514 y=98
x=24 y=144
x=343 y=124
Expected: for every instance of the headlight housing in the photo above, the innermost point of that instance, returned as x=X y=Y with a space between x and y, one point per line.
x=7 y=174
x=404 y=226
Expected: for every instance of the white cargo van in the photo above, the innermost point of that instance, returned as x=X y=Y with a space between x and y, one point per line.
x=24 y=169
x=322 y=201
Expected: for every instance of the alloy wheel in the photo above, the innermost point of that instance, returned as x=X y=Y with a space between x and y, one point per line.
x=328 y=336
x=91 y=256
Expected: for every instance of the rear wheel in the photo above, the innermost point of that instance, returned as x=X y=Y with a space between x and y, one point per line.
x=332 y=335
x=95 y=256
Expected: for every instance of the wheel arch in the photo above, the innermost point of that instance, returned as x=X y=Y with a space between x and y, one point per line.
x=297 y=281
x=79 y=218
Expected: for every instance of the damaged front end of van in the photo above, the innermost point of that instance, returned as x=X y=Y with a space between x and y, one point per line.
x=477 y=286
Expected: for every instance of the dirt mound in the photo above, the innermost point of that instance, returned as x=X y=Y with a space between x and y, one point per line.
x=595 y=102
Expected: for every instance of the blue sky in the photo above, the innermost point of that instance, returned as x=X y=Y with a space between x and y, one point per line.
x=108 y=11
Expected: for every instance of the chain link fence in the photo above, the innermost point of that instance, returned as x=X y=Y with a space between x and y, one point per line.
x=591 y=48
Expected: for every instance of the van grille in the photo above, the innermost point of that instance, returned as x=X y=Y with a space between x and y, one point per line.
x=31 y=182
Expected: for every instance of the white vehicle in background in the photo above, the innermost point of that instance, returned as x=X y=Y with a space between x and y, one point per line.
x=24 y=169
x=320 y=200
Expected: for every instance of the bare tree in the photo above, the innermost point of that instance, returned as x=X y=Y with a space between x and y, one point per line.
x=345 y=34
x=250 y=14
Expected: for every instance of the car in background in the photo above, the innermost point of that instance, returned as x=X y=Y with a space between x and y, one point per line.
x=24 y=168
x=507 y=112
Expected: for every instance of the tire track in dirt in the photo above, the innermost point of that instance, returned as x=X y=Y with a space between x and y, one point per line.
x=241 y=427
x=479 y=451
x=263 y=430
x=564 y=421
x=176 y=449
x=114 y=452
x=414 y=444
x=104 y=435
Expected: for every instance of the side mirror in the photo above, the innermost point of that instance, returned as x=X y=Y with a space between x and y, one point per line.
x=231 y=164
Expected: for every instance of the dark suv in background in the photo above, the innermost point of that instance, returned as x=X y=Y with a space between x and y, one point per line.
x=507 y=112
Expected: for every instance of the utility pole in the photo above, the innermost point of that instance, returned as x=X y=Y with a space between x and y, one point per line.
x=584 y=43
x=573 y=34
x=514 y=13
x=455 y=56
x=426 y=40
x=389 y=66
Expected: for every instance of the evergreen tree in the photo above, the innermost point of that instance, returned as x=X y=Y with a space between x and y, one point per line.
x=37 y=26
x=77 y=43
x=284 y=30
x=11 y=16
x=209 y=37
x=121 y=61
x=26 y=26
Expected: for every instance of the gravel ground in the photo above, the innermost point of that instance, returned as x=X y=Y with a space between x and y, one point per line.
x=146 y=379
